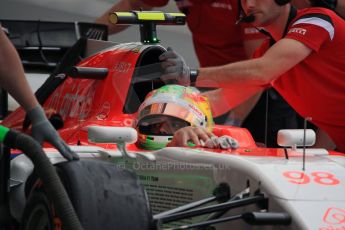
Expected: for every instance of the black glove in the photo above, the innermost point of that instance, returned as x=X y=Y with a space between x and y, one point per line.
x=175 y=68
x=329 y=4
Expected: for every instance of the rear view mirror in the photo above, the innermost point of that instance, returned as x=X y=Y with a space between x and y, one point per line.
x=112 y=135
x=295 y=137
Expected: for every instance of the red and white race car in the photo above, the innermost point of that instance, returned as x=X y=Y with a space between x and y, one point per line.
x=93 y=104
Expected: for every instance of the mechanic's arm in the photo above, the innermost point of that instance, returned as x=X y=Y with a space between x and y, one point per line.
x=245 y=79
x=121 y=6
x=258 y=72
x=239 y=80
x=12 y=78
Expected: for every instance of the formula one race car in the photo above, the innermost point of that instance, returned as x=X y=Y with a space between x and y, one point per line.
x=92 y=98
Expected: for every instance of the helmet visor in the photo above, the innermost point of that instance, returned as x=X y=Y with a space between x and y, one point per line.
x=174 y=110
x=161 y=125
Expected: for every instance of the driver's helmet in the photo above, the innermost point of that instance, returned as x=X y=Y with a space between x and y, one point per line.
x=167 y=109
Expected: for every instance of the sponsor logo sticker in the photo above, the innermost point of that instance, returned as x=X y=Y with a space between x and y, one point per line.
x=298 y=30
x=334 y=216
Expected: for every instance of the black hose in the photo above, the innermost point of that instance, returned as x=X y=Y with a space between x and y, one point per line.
x=49 y=176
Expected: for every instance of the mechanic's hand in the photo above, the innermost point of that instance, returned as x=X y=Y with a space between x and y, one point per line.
x=42 y=131
x=197 y=135
x=223 y=142
x=329 y=4
x=175 y=68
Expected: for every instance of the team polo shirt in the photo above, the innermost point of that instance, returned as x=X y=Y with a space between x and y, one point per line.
x=216 y=37
x=316 y=86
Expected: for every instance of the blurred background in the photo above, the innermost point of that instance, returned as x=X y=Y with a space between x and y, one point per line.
x=177 y=37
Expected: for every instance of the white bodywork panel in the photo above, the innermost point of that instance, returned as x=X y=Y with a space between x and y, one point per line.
x=176 y=176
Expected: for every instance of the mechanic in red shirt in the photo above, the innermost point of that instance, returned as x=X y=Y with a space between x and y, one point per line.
x=304 y=60
x=12 y=78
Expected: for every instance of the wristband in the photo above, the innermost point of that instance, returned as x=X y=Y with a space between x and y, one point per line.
x=193 y=76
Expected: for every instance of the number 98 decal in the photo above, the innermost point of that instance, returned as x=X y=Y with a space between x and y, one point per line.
x=322 y=178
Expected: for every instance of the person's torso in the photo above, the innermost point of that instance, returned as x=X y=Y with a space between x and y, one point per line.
x=217 y=39
x=316 y=86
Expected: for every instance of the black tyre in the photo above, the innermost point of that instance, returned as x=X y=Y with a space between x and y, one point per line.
x=104 y=197
x=37 y=214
